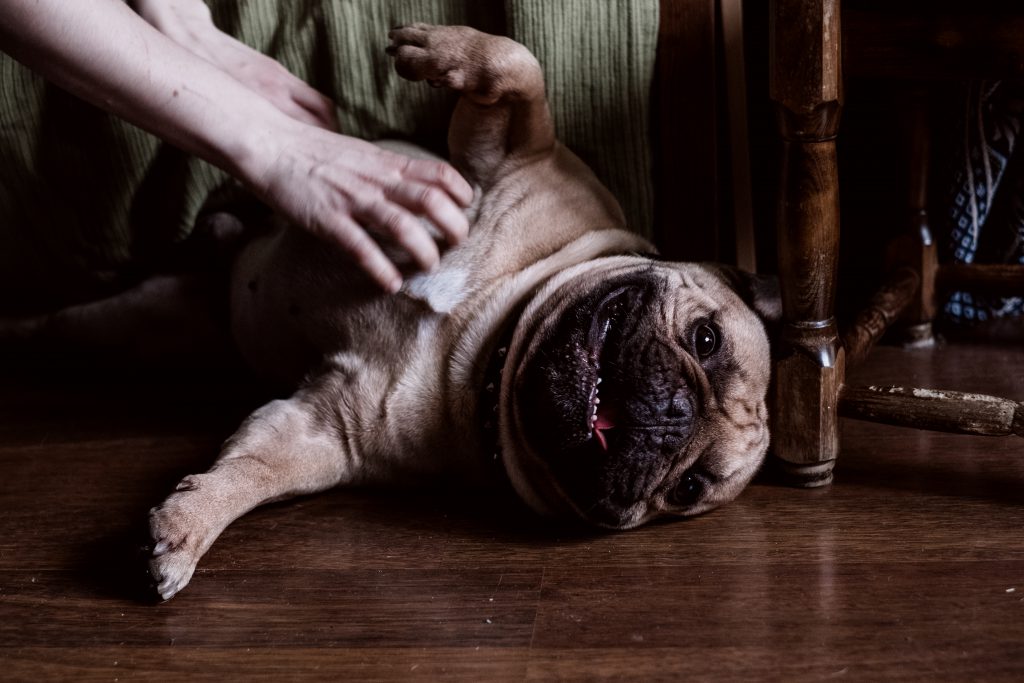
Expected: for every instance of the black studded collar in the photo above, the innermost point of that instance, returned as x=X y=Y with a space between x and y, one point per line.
x=490 y=397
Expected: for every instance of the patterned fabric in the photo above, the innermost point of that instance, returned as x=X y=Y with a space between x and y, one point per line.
x=985 y=202
x=88 y=201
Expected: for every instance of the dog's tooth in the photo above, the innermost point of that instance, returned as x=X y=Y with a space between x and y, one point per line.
x=490 y=387
x=599 y=380
x=502 y=351
x=597 y=400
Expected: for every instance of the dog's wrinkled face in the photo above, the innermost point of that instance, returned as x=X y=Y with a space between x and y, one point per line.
x=635 y=389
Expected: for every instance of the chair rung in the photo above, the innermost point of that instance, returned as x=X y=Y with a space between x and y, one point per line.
x=994 y=280
x=933 y=409
x=885 y=308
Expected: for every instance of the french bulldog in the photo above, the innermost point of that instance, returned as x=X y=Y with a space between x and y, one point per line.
x=551 y=348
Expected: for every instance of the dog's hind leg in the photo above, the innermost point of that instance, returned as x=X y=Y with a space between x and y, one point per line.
x=177 y=315
x=166 y=317
x=286 y=448
x=503 y=113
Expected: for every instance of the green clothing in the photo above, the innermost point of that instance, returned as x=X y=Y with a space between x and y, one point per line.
x=87 y=201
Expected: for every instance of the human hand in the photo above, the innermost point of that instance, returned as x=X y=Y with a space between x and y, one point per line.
x=334 y=186
x=190 y=24
x=343 y=190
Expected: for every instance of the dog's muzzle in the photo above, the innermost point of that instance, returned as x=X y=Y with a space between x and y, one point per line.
x=606 y=403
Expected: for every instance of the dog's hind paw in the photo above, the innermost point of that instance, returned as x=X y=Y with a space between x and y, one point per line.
x=461 y=58
x=429 y=53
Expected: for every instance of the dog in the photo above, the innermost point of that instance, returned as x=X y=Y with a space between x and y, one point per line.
x=549 y=348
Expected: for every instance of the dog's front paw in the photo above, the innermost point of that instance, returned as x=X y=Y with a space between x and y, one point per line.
x=179 y=539
x=436 y=54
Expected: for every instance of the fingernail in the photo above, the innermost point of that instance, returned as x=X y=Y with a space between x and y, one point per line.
x=395 y=285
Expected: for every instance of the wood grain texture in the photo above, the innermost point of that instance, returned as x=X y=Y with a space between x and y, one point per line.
x=806 y=86
x=805 y=70
x=808 y=229
x=908 y=567
x=937 y=409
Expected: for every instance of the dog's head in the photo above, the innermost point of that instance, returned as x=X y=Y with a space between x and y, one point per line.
x=635 y=389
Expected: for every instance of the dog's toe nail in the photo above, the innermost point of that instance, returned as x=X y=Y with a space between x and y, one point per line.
x=189 y=483
x=167 y=589
x=161 y=548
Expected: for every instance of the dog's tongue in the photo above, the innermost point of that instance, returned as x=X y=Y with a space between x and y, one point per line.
x=605 y=420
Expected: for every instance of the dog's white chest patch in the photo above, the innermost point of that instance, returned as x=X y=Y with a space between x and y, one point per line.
x=442 y=291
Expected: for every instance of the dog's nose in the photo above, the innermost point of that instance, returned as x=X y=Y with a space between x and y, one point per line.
x=680 y=406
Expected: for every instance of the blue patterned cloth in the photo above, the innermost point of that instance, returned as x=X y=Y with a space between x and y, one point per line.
x=984 y=214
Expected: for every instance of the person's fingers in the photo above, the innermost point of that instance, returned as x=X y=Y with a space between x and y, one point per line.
x=365 y=253
x=440 y=174
x=401 y=228
x=435 y=204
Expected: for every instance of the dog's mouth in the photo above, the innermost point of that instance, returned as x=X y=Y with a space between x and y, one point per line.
x=603 y=341
x=604 y=402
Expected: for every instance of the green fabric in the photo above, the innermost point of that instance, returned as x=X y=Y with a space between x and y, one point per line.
x=87 y=201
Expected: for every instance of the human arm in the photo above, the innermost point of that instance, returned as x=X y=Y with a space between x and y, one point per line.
x=327 y=183
x=189 y=23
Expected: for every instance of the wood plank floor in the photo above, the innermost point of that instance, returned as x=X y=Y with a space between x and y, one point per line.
x=910 y=567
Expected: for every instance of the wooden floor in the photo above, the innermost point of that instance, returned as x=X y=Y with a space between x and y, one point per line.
x=910 y=567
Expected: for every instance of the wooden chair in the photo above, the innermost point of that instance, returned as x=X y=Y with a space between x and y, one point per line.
x=806 y=87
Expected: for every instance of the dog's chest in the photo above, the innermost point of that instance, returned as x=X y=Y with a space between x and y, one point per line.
x=442 y=290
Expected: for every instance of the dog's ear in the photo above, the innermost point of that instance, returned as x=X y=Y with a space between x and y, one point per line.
x=760 y=292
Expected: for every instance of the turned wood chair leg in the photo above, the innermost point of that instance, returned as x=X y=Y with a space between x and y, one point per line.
x=806 y=87
x=916 y=248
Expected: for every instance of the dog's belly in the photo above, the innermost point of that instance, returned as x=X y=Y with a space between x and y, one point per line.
x=289 y=299
x=293 y=301
x=258 y=312
x=293 y=304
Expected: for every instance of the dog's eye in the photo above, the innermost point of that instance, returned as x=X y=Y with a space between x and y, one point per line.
x=688 y=490
x=706 y=339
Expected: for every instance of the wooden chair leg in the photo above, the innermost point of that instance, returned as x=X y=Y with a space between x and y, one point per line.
x=916 y=248
x=806 y=87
